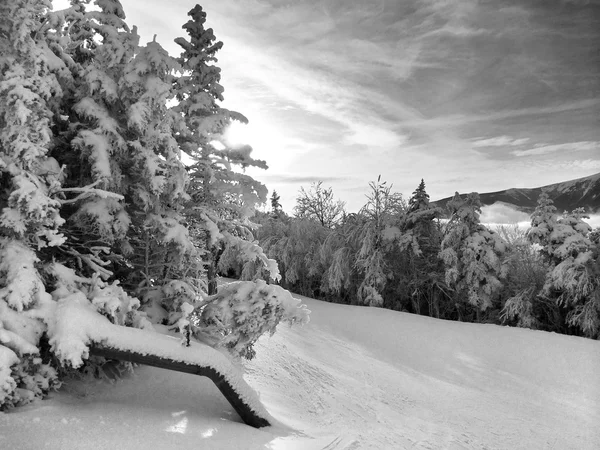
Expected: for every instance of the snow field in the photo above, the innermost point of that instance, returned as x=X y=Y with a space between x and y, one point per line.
x=352 y=378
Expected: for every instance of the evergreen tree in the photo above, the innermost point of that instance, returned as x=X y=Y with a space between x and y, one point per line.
x=275 y=204
x=574 y=275
x=423 y=268
x=570 y=252
x=543 y=221
x=30 y=212
x=419 y=199
x=472 y=254
x=222 y=200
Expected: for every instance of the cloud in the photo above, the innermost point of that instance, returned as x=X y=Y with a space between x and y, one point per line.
x=500 y=213
x=500 y=141
x=464 y=119
x=587 y=165
x=544 y=149
x=594 y=220
x=299 y=179
x=411 y=89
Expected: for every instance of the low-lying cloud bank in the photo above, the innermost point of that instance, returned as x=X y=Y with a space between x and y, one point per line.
x=502 y=214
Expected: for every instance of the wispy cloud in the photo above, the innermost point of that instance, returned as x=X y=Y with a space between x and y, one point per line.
x=499 y=141
x=348 y=89
x=300 y=179
x=553 y=148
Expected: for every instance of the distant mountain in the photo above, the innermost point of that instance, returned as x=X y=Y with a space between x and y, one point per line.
x=568 y=195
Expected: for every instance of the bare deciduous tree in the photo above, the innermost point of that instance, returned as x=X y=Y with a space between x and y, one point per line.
x=318 y=203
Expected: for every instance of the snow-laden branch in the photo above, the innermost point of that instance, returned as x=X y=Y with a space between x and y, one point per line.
x=89 y=191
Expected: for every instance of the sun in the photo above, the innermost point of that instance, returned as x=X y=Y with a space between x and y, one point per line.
x=265 y=139
x=238 y=134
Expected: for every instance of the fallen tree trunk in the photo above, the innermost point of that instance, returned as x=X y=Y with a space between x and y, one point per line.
x=247 y=414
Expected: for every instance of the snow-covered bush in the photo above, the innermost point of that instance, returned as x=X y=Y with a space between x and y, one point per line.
x=243 y=311
x=525 y=278
x=382 y=213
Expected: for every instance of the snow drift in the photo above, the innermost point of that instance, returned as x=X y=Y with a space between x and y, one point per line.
x=352 y=378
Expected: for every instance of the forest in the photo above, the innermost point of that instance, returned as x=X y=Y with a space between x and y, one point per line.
x=117 y=190
x=414 y=257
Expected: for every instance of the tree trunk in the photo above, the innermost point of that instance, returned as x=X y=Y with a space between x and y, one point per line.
x=248 y=415
x=211 y=274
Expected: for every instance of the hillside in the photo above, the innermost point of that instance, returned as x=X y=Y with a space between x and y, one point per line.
x=568 y=195
x=353 y=378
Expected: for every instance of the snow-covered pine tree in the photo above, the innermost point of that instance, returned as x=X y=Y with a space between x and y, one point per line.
x=165 y=255
x=222 y=199
x=419 y=200
x=543 y=220
x=276 y=210
x=423 y=268
x=30 y=212
x=571 y=254
x=91 y=143
x=472 y=254
x=573 y=278
x=90 y=49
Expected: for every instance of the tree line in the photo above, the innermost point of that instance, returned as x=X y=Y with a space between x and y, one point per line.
x=412 y=256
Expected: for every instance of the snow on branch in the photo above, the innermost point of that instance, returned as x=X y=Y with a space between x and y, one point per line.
x=243 y=311
x=89 y=191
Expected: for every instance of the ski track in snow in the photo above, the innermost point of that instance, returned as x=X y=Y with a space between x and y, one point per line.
x=353 y=378
x=332 y=385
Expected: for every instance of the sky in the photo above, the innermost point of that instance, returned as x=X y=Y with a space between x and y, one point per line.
x=468 y=95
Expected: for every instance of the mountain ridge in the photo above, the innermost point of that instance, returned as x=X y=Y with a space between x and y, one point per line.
x=567 y=195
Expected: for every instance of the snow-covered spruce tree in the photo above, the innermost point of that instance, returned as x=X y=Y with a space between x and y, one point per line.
x=573 y=277
x=577 y=276
x=30 y=217
x=276 y=209
x=571 y=289
x=64 y=220
x=221 y=199
x=423 y=269
x=472 y=254
x=90 y=50
x=543 y=221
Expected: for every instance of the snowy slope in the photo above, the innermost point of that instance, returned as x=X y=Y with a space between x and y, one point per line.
x=352 y=378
